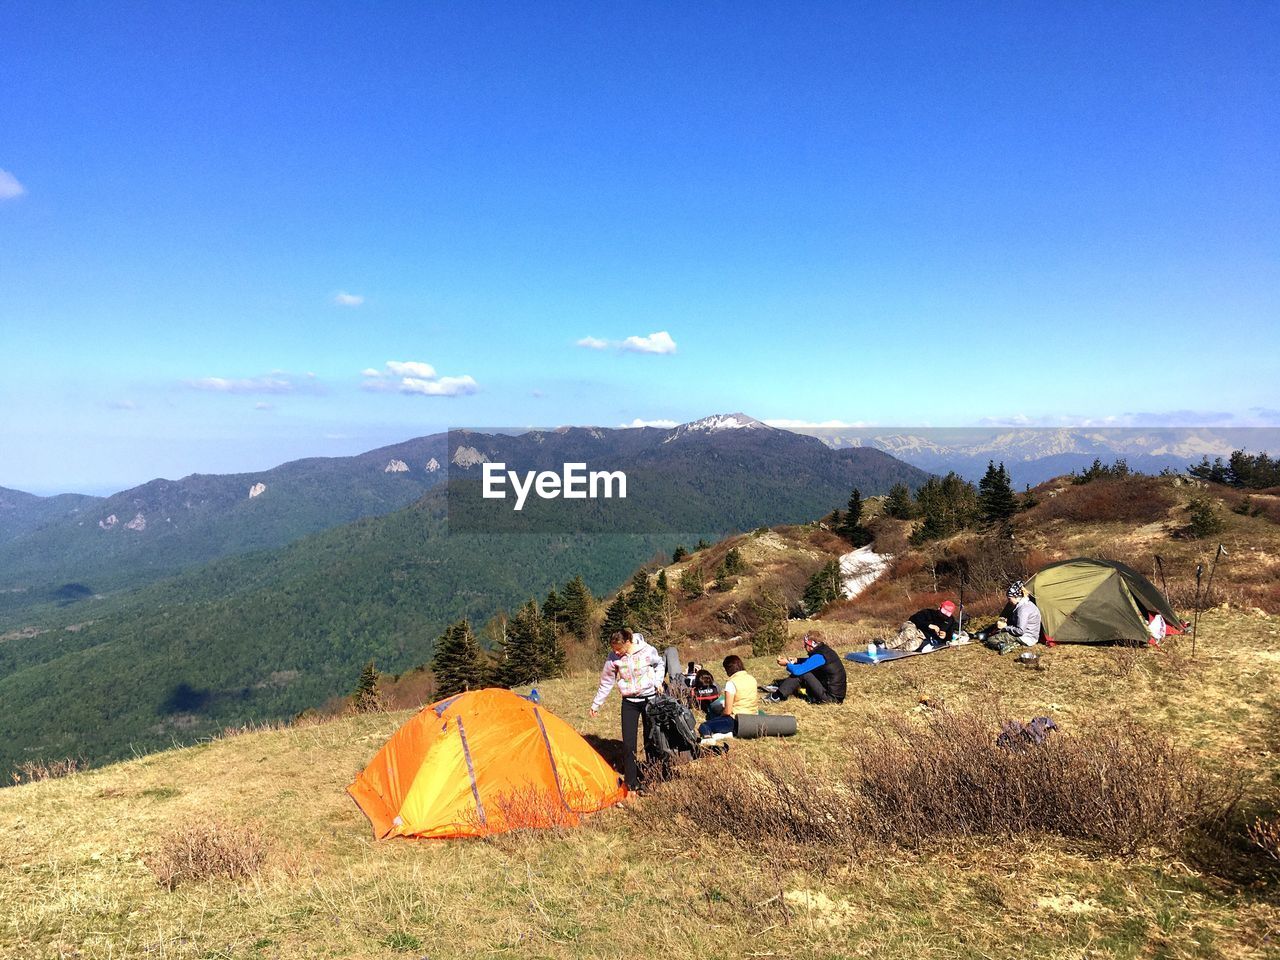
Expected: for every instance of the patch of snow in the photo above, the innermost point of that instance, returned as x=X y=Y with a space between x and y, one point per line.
x=860 y=568
x=716 y=423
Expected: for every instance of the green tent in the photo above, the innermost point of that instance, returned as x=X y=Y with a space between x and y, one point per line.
x=1097 y=601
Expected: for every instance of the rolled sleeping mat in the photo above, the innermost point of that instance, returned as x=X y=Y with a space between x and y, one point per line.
x=749 y=726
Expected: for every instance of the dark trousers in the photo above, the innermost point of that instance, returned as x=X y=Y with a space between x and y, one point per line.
x=632 y=715
x=813 y=687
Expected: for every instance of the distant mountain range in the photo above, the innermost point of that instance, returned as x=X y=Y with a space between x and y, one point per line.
x=99 y=671
x=1033 y=455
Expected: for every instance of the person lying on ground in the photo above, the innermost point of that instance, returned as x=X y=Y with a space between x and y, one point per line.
x=1021 y=628
x=741 y=696
x=820 y=674
x=637 y=669
x=926 y=628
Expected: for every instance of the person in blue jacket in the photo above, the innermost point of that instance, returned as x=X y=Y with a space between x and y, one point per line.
x=820 y=673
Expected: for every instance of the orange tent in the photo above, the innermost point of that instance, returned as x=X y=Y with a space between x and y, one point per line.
x=480 y=763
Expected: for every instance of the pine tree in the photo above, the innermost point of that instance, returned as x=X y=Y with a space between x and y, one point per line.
x=459 y=664
x=680 y=554
x=996 y=499
x=851 y=527
x=691 y=581
x=824 y=587
x=702 y=544
x=724 y=580
x=524 y=647
x=733 y=562
x=899 y=504
x=771 y=635
x=554 y=610
x=947 y=506
x=365 y=697
x=579 y=609
x=662 y=581
x=616 y=617
x=837 y=518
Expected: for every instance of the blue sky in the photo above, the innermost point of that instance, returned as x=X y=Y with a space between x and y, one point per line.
x=220 y=222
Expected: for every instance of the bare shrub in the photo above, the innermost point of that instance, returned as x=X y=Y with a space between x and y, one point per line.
x=1265 y=834
x=207 y=850
x=1130 y=500
x=33 y=771
x=1125 y=660
x=1118 y=788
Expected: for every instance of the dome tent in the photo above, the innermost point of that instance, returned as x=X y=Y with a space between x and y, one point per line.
x=481 y=763
x=1096 y=601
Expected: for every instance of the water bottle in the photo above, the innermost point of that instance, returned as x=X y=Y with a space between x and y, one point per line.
x=871 y=650
x=534 y=696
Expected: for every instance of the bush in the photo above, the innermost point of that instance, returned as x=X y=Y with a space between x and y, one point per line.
x=32 y=771
x=1118 y=788
x=770 y=636
x=209 y=850
x=1135 y=500
x=1203 y=518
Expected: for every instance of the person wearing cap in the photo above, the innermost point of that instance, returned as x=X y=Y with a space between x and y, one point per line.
x=926 y=628
x=820 y=673
x=1020 y=627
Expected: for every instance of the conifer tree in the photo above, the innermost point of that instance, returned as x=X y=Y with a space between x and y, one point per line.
x=702 y=544
x=771 y=635
x=553 y=609
x=524 y=647
x=459 y=664
x=616 y=617
x=899 y=504
x=824 y=586
x=365 y=697
x=837 y=518
x=680 y=554
x=733 y=562
x=851 y=527
x=691 y=581
x=662 y=581
x=724 y=581
x=996 y=499
x=579 y=609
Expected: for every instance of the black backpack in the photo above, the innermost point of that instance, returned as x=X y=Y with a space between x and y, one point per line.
x=672 y=728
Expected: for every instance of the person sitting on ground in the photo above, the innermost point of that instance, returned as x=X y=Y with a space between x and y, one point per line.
x=1021 y=628
x=705 y=690
x=741 y=696
x=926 y=628
x=820 y=673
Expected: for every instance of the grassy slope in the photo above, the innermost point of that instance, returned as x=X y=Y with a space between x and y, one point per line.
x=73 y=882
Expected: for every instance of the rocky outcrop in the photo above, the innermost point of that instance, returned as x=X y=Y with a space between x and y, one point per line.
x=433 y=465
x=468 y=457
x=396 y=466
x=109 y=522
x=139 y=523
x=257 y=490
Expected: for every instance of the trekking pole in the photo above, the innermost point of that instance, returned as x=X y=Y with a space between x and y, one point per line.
x=960 y=617
x=1163 y=582
x=1208 y=590
x=1195 y=626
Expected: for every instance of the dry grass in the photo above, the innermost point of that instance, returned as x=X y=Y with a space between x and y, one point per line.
x=79 y=885
x=33 y=771
x=207 y=850
x=1118 y=788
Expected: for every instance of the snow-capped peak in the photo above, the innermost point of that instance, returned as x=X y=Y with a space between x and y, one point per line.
x=716 y=423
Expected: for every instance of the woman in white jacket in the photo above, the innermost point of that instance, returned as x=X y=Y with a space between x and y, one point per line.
x=637 y=669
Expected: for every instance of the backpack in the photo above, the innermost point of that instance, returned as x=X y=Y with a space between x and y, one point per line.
x=672 y=727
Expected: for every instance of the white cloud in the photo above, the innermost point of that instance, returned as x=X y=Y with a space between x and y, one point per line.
x=637 y=422
x=658 y=343
x=9 y=186
x=269 y=383
x=415 y=377
x=121 y=405
x=344 y=299
x=411 y=368
x=817 y=425
x=261 y=405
